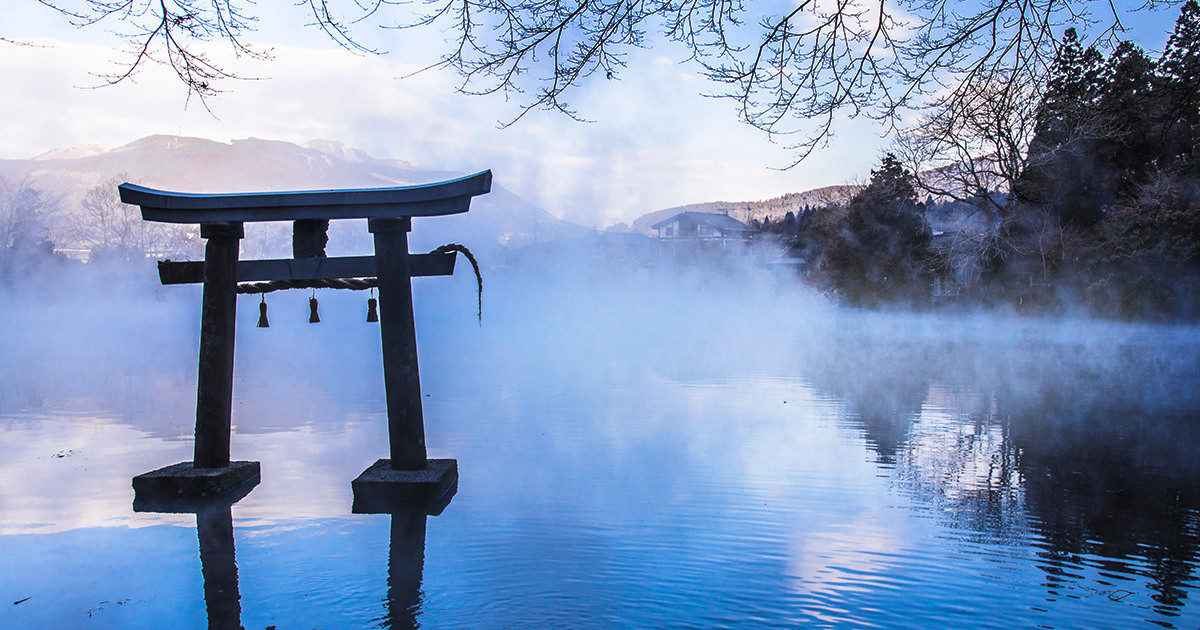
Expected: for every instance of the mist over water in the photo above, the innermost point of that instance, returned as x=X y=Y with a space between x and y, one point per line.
x=663 y=446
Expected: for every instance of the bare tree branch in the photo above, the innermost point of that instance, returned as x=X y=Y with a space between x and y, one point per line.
x=794 y=70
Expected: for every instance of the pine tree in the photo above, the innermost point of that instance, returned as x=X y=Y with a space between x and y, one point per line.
x=1157 y=217
x=1075 y=83
x=1059 y=172
x=1179 y=74
x=1127 y=144
x=884 y=239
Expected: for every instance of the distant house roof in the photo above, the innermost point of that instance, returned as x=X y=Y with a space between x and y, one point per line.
x=722 y=222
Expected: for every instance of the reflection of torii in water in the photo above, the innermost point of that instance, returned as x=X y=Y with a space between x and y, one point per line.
x=406 y=551
x=218 y=565
x=214 y=529
x=389 y=212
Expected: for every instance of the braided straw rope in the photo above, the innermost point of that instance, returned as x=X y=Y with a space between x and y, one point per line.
x=354 y=284
x=360 y=284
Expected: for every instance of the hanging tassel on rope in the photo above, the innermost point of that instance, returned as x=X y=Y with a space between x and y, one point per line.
x=313 y=317
x=262 y=313
x=372 y=308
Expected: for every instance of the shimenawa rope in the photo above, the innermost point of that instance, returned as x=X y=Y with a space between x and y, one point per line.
x=360 y=284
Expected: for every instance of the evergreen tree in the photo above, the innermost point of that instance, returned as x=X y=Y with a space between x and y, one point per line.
x=1178 y=72
x=1059 y=174
x=1076 y=77
x=884 y=242
x=1127 y=143
x=1155 y=223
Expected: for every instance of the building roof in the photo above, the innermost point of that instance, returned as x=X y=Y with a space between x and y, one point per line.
x=722 y=222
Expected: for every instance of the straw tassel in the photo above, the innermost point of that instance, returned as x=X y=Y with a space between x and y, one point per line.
x=372 y=308
x=313 y=317
x=262 y=314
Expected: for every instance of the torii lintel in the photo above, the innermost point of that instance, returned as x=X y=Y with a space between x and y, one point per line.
x=426 y=200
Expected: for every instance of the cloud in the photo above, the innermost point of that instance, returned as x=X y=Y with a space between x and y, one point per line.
x=655 y=143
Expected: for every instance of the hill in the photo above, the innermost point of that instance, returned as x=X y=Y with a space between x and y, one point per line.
x=746 y=211
x=198 y=165
x=186 y=164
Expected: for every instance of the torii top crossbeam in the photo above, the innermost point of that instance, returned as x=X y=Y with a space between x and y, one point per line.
x=449 y=197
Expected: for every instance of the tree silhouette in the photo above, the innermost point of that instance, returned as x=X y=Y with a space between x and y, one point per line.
x=1179 y=72
x=25 y=214
x=106 y=227
x=1059 y=166
x=880 y=247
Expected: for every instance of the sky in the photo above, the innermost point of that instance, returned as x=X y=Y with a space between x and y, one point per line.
x=655 y=141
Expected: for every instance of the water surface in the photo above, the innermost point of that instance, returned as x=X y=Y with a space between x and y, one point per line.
x=647 y=450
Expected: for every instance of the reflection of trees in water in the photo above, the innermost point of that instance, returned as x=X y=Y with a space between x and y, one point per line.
x=1117 y=481
x=883 y=394
x=906 y=396
x=1113 y=487
x=1109 y=453
x=959 y=461
x=1091 y=449
x=886 y=408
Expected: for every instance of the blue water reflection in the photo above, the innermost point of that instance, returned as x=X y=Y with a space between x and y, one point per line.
x=647 y=452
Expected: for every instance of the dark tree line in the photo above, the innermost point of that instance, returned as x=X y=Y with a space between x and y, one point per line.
x=874 y=248
x=1104 y=206
x=1108 y=127
x=1113 y=167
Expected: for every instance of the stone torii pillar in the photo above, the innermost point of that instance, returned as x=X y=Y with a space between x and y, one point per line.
x=389 y=212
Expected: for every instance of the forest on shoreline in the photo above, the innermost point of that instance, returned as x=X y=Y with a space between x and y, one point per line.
x=1102 y=209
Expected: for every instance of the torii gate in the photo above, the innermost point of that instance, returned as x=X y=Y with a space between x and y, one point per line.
x=389 y=211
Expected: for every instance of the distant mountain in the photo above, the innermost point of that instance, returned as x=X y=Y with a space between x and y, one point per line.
x=87 y=149
x=185 y=164
x=339 y=149
x=745 y=211
x=198 y=165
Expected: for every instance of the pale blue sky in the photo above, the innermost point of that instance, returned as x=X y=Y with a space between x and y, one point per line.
x=655 y=143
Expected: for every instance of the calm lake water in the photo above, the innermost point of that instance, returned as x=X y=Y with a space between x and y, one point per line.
x=647 y=450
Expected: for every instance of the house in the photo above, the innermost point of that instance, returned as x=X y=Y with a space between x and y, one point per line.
x=702 y=227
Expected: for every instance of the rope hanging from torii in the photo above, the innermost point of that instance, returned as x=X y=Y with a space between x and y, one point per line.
x=362 y=284
x=354 y=284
